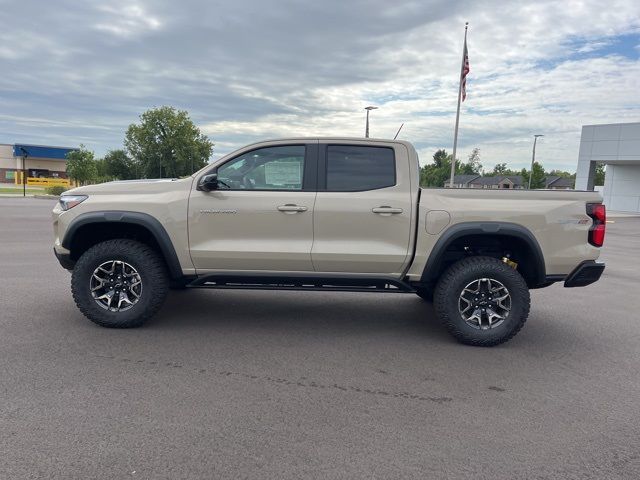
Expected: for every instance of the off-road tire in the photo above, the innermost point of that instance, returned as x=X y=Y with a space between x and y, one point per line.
x=460 y=274
x=150 y=267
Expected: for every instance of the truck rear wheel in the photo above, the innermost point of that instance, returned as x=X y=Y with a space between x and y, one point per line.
x=482 y=301
x=119 y=283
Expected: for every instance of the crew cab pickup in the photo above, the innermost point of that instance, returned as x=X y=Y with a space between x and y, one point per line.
x=328 y=214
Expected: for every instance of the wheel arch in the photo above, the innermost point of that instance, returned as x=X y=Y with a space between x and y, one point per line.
x=504 y=234
x=91 y=228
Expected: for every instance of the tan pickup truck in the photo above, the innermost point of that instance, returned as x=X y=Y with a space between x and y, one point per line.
x=332 y=214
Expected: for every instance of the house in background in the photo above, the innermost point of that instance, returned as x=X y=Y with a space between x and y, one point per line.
x=461 y=181
x=478 y=181
x=553 y=182
x=499 y=181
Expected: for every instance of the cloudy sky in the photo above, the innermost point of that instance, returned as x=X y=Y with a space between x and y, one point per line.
x=81 y=71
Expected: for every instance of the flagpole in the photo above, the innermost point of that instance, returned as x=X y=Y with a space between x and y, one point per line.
x=455 y=133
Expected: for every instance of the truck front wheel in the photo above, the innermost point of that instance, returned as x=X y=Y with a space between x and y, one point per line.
x=482 y=301
x=119 y=283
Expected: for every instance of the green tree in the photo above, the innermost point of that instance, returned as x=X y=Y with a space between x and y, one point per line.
x=82 y=166
x=500 y=169
x=433 y=176
x=473 y=165
x=441 y=157
x=118 y=165
x=166 y=143
x=101 y=175
x=599 y=179
x=524 y=173
x=437 y=173
x=562 y=173
x=538 y=178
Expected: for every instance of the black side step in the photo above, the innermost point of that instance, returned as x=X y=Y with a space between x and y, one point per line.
x=271 y=282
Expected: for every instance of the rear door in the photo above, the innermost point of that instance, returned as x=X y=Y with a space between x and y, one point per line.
x=363 y=210
x=261 y=217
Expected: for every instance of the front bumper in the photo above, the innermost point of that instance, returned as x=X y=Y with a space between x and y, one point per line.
x=584 y=274
x=65 y=260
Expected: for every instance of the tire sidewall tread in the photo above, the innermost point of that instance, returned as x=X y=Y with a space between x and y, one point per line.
x=459 y=275
x=155 y=282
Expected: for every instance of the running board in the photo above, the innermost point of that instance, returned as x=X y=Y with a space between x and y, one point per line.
x=270 y=282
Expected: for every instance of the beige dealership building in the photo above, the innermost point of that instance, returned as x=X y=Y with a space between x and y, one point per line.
x=39 y=161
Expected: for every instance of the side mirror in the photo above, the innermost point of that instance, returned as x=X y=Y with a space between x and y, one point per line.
x=208 y=183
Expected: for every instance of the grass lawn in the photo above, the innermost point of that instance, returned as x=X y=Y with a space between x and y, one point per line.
x=18 y=189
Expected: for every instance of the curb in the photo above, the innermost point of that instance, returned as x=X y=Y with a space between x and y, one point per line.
x=47 y=197
x=41 y=197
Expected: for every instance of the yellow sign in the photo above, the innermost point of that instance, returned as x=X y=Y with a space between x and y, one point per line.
x=48 y=182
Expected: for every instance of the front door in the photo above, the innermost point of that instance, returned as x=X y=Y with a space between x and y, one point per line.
x=261 y=216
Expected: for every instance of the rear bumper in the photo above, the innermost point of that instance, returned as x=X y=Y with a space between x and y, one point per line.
x=584 y=274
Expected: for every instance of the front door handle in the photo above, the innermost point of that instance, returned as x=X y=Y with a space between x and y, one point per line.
x=291 y=208
x=385 y=209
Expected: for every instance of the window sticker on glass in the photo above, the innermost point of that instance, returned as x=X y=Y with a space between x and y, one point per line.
x=283 y=173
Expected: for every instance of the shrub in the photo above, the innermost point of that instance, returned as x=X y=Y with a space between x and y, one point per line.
x=57 y=190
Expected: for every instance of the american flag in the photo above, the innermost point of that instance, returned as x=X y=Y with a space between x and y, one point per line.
x=465 y=70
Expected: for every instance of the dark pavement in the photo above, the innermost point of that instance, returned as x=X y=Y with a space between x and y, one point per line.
x=251 y=384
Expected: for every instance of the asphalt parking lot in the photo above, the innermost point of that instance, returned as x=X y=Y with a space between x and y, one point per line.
x=251 y=384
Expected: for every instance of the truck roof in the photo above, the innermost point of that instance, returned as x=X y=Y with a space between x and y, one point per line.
x=333 y=139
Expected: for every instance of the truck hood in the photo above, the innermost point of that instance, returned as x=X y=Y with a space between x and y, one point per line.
x=152 y=185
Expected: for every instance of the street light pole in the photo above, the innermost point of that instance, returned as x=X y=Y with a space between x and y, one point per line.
x=368 y=109
x=24 y=178
x=533 y=157
x=25 y=154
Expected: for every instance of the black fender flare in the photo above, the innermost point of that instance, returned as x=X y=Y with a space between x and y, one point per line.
x=137 y=218
x=503 y=229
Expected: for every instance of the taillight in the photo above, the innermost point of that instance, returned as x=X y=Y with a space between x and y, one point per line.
x=598 y=213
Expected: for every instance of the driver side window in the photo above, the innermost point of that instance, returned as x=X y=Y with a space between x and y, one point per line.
x=270 y=168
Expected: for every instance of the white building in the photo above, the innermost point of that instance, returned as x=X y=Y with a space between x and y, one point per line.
x=618 y=146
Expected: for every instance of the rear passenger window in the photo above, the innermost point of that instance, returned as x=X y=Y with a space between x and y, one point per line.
x=353 y=168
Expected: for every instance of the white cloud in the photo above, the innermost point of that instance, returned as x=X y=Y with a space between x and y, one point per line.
x=126 y=19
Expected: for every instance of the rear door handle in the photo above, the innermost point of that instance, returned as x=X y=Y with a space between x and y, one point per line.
x=291 y=208
x=384 y=209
